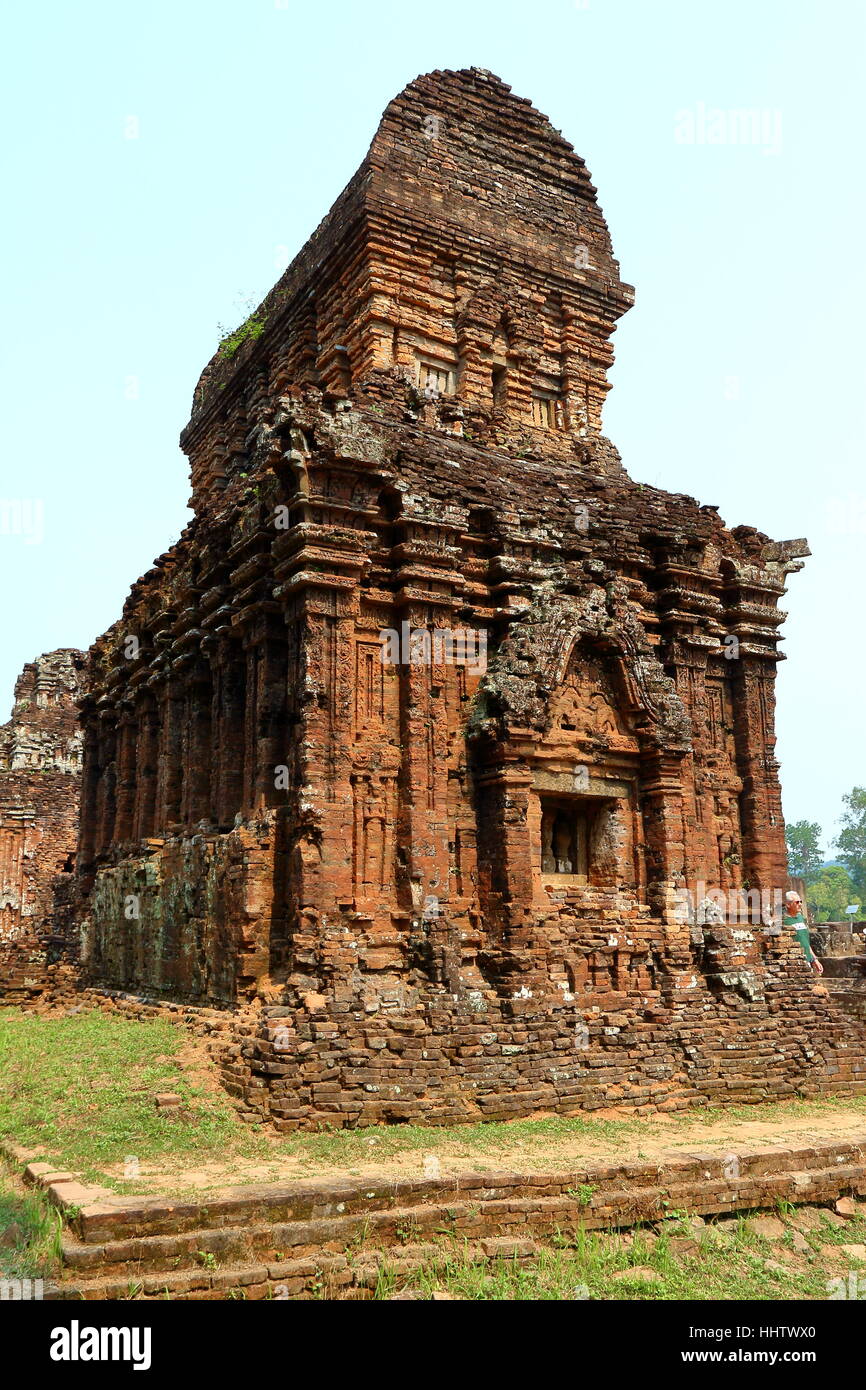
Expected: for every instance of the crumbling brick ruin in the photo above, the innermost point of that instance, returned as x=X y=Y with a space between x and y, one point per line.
x=841 y=948
x=433 y=722
x=40 y=772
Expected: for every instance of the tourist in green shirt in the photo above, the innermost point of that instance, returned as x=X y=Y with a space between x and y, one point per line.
x=794 y=918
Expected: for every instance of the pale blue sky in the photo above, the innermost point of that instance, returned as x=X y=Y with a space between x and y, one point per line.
x=740 y=372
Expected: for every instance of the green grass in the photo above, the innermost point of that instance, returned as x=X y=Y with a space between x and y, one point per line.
x=81 y=1087
x=489 y=1137
x=35 y=1251
x=580 y=1267
x=776 y=1110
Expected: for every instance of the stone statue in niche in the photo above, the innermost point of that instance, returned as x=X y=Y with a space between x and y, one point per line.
x=374 y=837
x=564 y=838
x=728 y=834
x=562 y=844
x=548 y=861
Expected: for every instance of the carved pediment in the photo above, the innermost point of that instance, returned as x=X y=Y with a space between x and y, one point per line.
x=583 y=660
x=585 y=709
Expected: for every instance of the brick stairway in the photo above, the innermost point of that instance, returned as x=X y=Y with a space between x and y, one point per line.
x=311 y=1239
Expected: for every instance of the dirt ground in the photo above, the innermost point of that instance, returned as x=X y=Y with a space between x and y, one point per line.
x=656 y=1137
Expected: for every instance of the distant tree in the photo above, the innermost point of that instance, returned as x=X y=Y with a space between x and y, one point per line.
x=829 y=892
x=851 y=840
x=804 y=848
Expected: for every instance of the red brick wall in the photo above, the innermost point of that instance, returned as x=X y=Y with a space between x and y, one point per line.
x=40 y=761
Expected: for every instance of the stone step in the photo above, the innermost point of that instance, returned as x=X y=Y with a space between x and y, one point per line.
x=312 y=1235
x=486 y=1218
x=279 y=1240
x=110 y=1219
x=329 y=1276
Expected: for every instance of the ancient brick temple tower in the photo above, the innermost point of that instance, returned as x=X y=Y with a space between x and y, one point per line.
x=433 y=719
x=40 y=769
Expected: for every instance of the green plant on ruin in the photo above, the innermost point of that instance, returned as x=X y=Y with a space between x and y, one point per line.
x=407 y=1233
x=359 y=1239
x=585 y=1268
x=251 y=329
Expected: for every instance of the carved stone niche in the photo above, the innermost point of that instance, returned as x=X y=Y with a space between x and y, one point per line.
x=577 y=707
x=583 y=838
x=584 y=774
